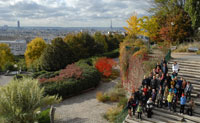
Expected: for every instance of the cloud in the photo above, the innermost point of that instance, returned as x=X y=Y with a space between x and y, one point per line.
x=70 y=12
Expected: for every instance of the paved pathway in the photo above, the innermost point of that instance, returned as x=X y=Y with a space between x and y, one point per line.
x=85 y=108
x=5 y=79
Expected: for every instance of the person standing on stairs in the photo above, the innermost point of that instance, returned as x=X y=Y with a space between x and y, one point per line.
x=166 y=93
x=132 y=104
x=188 y=90
x=182 y=102
x=139 y=110
x=174 y=102
x=175 y=68
x=164 y=69
x=144 y=101
x=159 y=99
x=179 y=87
x=149 y=107
x=191 y=107
x=169 y=99
x=163 y=61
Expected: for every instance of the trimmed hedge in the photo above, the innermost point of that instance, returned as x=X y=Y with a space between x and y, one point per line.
x=112 y=54
x=72 y=86
x=45 y=74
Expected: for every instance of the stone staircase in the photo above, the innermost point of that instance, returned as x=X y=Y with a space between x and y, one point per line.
x=189 y=70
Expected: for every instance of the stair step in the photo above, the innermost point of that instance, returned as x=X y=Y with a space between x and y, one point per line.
x=134 y=120
x=179 y=117
x=186 y=65
x=186 y=72
x=183 y=61
x=163 y=119
x=167 y=115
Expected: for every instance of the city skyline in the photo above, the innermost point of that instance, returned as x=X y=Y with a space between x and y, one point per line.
x=70 y=13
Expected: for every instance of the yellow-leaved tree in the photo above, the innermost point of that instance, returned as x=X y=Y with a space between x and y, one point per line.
x=134 y=26
x=6 y=56
x=34 y=50
x=150 y=27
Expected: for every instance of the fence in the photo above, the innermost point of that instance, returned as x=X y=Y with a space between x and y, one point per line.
x=168 y=55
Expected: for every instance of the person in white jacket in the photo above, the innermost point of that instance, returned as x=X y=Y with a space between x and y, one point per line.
x=175 y=68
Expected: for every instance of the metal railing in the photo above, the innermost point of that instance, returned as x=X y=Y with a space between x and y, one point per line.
x=168 y=55
x=121 y=117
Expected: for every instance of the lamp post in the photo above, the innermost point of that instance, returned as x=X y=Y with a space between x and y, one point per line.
x=172 y=23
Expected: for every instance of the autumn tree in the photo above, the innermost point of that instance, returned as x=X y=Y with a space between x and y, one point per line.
x=56 y=56
x=177 y=28
x=134 y=26
x=6 y=57
x=82 y=44
x=192 y=7
x=150 y=26
x=101 y=40
x=34 y=50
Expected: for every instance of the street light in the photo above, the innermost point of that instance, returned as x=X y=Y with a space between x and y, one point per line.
x=172 y=23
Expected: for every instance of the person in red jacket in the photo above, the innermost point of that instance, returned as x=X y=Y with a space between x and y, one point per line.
x=145 y=89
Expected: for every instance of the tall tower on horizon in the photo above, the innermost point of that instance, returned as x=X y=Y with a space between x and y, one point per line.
x=18 y=24
x=111 y=24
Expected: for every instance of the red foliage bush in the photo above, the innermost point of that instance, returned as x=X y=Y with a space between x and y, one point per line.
x=104 y=65
x=71 y=71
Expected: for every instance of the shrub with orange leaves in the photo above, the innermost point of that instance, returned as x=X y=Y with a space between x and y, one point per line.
x=105 y=65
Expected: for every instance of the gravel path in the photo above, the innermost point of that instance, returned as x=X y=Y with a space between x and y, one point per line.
x=85 y=108
x=5 y=79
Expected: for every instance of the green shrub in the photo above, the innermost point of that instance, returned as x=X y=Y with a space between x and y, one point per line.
x=112 y=113
x=44 y=116
x=37 y=74
x=112 y=54
x=184 y=46
x=49 y=74
x=102 y=97
x=122 y=101
x=56 y=56
x=20 y=100
x=71 y=86
x=198 y=52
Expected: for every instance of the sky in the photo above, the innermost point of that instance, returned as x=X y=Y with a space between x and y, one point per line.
x=70 y=13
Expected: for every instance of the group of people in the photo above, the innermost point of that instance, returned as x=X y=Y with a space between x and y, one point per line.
x=161 y=90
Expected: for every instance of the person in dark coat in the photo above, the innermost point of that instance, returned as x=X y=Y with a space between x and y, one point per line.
x=154 y=83
x=132 y=104
x=144 y=101
x=164 y=69
x=149 y=92
x=190 y=107
x=144 y=81
x=163 y=61
x=169 y=79
x=174 y=102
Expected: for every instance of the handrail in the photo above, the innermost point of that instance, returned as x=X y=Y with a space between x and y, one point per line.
x=122 y=115
x=168 y=55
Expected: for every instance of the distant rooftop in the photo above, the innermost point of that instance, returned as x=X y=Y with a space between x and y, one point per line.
x=15 y=41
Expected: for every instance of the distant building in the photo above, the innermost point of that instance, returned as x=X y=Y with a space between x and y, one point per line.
x=18 y=24
x=17 y=47
x=144 y=38
x=111 y=25
x=5 y=27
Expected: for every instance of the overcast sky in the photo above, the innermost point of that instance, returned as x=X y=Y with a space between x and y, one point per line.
x=70 y=13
